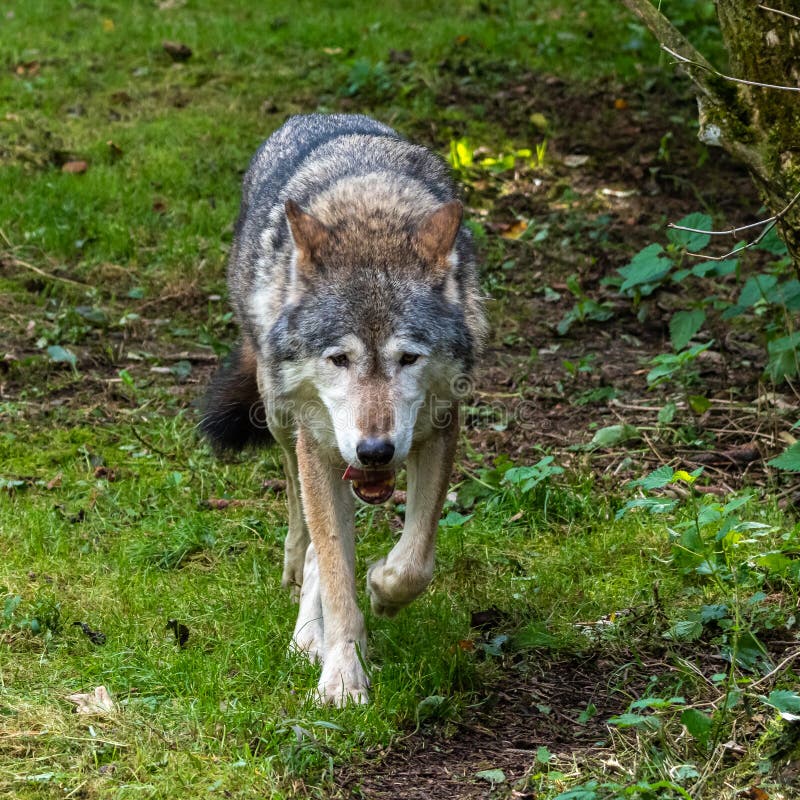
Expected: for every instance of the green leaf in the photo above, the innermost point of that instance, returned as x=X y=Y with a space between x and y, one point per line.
x=543 y=755
x=454 y=520
x=784 y=357
x=657 y=702
x=431 y=707
x=788 y=460
x=713 y=612
x=657 y=479
x=587 y=713
x=585 y=792
x=61 y=355
x=491 y=775
x=687 y=239
x=614 y=434
x=635 y=721
x=772 y=243
x=685 y=630
x=698 y=724
x=698 y=403
x=684 y=325
x=647 y=266
x=787 y=704
x=94 y=315
x=756 y=288
x=526 y=478
x=667 y=413
x=654 y=505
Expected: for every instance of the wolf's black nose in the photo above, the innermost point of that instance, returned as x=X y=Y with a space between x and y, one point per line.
x=374 y=452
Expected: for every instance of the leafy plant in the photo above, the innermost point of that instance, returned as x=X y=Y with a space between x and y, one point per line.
x=584 y=309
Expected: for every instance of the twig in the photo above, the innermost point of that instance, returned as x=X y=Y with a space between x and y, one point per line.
x=731 y=232
x=778 y=11
x=770 y=223
x=706 y=66
x=19 y=263
x=791 y=657
x=147 y=444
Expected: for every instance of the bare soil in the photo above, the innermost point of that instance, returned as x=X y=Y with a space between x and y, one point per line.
x=538 y=704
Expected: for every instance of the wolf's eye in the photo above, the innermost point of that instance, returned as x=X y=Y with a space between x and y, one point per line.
x=407 y=359
x=339 y=360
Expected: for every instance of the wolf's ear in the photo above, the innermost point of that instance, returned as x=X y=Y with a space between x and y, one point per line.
x=437 y=234
x=308 y=232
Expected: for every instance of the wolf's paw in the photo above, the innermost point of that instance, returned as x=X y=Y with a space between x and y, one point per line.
x=293 y=581
x=390 y=590
x=293 y=568
x=343 y=678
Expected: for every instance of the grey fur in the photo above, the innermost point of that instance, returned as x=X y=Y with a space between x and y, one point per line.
x=306 y=158
x=355 y=285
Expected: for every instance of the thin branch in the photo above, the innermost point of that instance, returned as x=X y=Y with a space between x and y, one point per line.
x=770 y=224
x=731 y=232
x=708 y=68
x=778 y=11
x=17 y=262
x=791 y=657
x=745 y=246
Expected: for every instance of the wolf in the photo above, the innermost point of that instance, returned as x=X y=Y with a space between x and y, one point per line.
x=354 y=283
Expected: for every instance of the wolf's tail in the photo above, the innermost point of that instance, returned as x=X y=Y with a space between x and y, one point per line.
x=233 y=414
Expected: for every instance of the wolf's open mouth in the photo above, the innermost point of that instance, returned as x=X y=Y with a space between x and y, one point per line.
x=373 y=486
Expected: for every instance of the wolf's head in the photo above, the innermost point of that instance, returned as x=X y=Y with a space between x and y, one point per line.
x=374 y=333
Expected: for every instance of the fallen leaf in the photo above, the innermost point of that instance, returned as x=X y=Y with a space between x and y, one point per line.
x=177 y=51
x=97 y=702
x=274 y=485
x=28 y=68
x=515 y=230
x=75 y=167
x=575 y=161
x=55 y=482
x=108 y=25
x=620 y=104
x=754 y=793
x=218 y=504
x=104 y=472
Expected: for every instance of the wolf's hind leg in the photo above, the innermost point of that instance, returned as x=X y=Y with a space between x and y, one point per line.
x=308 y=632
x=394 y=581
x=297 y=539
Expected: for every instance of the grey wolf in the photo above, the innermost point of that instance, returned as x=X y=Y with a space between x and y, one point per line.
x=354 y=283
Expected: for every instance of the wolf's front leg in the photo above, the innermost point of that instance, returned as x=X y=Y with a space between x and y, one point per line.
x=308 y=636
x=394 y=581
x=328 y=506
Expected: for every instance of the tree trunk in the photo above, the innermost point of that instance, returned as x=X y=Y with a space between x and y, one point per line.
x=757 y=125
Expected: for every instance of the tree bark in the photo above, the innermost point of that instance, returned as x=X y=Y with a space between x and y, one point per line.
x=759 y=126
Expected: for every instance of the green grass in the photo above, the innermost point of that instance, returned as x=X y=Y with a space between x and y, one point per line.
x=134 y=252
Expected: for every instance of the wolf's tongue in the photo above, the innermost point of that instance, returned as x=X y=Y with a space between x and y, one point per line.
x=373 y=486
